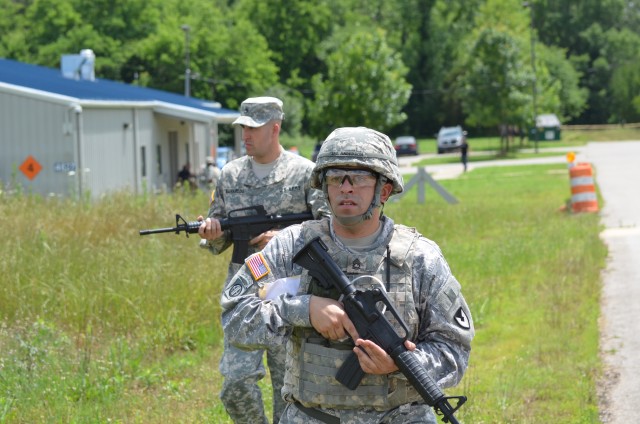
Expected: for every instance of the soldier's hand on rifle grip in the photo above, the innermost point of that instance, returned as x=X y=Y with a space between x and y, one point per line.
x=261 y=240
x=374 y=360
x=329 y=318
x=209 y=229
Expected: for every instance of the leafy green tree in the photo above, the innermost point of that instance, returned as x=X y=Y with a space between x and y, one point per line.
x=365 y=83
x=622 y=53
x=625 y=90
x=228 y=58
x=304 y=51
x=560 y=83
x=495 y=89
x=292 y=29
x=13 y=37
x=428 y=34
x=116 y=26
x=597 y=35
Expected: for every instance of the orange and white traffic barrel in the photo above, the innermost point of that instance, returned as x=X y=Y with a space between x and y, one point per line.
x=583 y=190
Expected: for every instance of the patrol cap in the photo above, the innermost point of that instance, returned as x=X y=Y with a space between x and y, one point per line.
x=257 y=111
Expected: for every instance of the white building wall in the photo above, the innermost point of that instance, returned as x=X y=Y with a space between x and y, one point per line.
x=96 y=148
x=44 y=131
x=108 y=151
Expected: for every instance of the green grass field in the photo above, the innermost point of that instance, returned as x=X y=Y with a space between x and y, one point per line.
x=100 y=325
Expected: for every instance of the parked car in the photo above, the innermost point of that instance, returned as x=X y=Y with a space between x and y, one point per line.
x=224 y=154
x=450 y=139
x=406 y=145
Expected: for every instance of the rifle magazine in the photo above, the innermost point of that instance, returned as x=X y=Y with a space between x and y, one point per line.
x=350 y=373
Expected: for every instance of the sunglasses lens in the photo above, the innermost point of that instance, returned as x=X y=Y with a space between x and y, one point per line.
x=356 y=177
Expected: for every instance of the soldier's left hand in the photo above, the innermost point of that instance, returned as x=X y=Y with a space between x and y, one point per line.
x=373 y=359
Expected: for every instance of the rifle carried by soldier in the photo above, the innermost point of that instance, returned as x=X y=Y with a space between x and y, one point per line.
x=243 y=225
x=371 y=324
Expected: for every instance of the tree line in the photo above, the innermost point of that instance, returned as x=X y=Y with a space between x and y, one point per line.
x=401 y=66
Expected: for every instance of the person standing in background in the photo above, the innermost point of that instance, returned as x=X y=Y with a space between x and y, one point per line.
x=211 y=173
x=278 y=180
x=463 y=153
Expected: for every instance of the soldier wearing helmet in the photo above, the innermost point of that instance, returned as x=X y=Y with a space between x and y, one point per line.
x=357 y=150
x=357 y=170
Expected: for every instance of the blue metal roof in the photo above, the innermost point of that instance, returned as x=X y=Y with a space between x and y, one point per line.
x=51 y=80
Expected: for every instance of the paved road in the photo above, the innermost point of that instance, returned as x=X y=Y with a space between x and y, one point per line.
x=617 y=173
x=453 y=170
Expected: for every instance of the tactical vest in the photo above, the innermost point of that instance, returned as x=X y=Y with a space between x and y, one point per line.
x=312 y=361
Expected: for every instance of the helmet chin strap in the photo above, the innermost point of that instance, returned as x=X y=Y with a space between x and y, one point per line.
x=350 y=221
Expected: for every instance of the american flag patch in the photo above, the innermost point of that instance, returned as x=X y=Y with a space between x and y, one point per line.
x=257 y=265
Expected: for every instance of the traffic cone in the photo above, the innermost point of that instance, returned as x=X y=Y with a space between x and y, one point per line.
x=583 y=191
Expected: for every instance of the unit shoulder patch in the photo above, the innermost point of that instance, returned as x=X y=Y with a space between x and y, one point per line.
x=238 y=288
x=462 y=319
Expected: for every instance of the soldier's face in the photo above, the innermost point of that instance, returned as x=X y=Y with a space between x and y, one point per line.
x=350 y=191
x=260 y=142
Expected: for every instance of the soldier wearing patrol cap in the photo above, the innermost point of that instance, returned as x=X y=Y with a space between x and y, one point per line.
x=272 y=300
x=271 y=177
x=257 y=111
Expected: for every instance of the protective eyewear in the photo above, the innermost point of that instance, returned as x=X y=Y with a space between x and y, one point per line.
x=356 y=177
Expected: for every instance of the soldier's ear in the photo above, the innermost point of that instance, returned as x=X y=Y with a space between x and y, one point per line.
x=276 y=128
x=385 y=191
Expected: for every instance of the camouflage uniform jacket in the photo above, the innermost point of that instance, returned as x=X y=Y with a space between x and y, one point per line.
x=285 y=190
x=442 y=327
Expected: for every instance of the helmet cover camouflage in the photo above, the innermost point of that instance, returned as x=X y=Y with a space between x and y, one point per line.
x=358 y=147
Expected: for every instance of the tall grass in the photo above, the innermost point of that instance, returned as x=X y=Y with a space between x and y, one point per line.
x=530 y=272
x=98 y=324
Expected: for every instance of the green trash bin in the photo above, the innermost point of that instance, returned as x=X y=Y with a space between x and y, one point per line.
x=547 y=128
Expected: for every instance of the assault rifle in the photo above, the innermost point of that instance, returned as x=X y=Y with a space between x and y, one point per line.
x=243 y=227
x=361 y=307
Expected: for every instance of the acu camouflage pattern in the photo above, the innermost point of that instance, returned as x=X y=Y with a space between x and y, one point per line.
x=241 y=395
x=306 y=380
x=257 y=111
x=443 y=344
x=358 y=147
x=285 y=190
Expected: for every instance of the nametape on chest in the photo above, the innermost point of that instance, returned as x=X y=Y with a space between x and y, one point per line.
x=258 y=266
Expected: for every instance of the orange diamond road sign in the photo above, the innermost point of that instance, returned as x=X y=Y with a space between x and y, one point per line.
x=30 y=167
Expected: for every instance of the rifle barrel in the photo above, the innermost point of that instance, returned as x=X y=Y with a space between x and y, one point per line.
x=157 y=230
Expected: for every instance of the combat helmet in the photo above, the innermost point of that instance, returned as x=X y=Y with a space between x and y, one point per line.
x=358 y=147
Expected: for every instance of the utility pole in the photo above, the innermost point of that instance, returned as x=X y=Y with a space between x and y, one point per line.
x=529 y=5
x=187 y=72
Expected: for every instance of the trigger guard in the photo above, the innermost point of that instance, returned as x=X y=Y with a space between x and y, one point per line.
x=375 y=283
